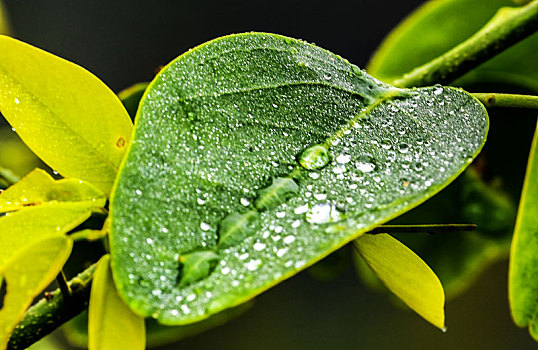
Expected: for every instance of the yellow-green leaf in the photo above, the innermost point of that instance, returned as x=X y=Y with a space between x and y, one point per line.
x=112 y=324
x=26 y=275
x=38 y=188
x=65 y=114
x=22 y=228
x=523 y=272
x=405 y=274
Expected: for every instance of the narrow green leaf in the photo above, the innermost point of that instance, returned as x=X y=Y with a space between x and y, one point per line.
x=112 y=325
x=259 y=122
x=405 y=274
x=66 y=115
x=131 y=96
x=27 y=273
x=39 y=188
x=523 y=273
x=22 y=228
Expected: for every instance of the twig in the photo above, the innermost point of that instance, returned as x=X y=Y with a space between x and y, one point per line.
x=52 y=311
x=435 y=228
x=508 y=27
x=507 y=100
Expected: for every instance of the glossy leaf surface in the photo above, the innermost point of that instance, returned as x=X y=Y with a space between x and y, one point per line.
x=22 y=228
x=27 y=273
x=66 y=115
x=39 y=188
x=438 y=26
x=228 y=125
x=405 y=274
x=523 y=275
x=112 y=325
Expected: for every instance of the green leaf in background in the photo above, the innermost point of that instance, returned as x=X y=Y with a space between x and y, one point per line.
x=39 y=188
x=66 y=115
x=438 y=26
x=130 y=97
x=219 y=127
x=112 y=325
x=26 y=274
x=523 y=273
x=4 y=23
x=405 y=274
x=16 y=156
x=24 y=227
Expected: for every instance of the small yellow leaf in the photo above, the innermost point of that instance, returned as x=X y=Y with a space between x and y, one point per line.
x=26 y=275
x=22 y=228
x=405 y=274
x=39 y=188
x=112 y=324
x=65 y=114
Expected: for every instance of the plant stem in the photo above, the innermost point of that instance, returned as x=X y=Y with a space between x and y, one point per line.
x=52 y=311
x=509 y=26
x=63 y=285
x=435 y=228
x=507 y=100
x=8 y=177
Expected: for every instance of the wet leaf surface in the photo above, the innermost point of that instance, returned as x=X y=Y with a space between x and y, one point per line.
x=232 y=124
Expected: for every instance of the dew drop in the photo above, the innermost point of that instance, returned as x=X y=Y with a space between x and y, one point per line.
x=403 y=148
x=314 y=157
x=205 y=226
x=365 y=164
x=343 y=158
x=259 y=246
x=289 y=239
x=323 y=213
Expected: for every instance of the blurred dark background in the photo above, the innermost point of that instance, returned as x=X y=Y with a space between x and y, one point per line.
x=124 y=42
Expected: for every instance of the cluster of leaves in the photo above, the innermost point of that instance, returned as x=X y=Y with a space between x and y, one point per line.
x=253 y=157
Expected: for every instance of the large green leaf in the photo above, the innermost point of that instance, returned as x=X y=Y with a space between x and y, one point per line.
x=283 y=150
x=66 y=115
x=523 y=275
x=405 y=274
x=39 y=188
x=112 y=325
x=26 y=274
x=438 y=26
